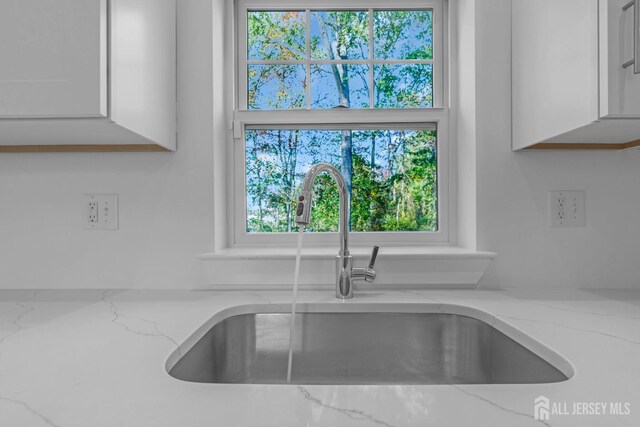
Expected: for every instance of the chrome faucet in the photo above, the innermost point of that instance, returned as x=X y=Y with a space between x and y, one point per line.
x=346 y=274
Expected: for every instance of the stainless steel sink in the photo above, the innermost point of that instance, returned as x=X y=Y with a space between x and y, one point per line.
x=361 y=348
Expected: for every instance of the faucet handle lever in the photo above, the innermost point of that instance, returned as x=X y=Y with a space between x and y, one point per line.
x=374 y=255
x=367 y=274
x=370 y=273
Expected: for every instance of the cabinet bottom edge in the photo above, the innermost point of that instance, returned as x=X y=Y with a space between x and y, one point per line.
x=583 y=146
x=86 y=148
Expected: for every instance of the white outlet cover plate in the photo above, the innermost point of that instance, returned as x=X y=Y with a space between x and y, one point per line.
x=567 y=208
x=107 y=211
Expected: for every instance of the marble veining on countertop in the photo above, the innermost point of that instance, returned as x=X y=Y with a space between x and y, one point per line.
x=97 y=358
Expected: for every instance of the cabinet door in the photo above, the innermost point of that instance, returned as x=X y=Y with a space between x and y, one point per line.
x=619 y=87
x=53 y=58
x=554 y=68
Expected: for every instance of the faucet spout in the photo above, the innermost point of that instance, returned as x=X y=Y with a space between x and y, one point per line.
x=305 y=199
x=346 y=274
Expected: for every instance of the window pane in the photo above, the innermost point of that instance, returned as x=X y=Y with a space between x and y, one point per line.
x=402 y=74
x=276 y=35
x=403 y=34
x=339 y=35
x=339 y=85
x=276 y=87
x=393 y=179
x=403 y=86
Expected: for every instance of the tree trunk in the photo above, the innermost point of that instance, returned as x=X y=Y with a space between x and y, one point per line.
x=347 y=158
x=292 y=176
x=373 y=150
x=341 y=77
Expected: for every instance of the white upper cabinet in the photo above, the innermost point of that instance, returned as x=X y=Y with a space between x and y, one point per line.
x=620 y=60
x=54 y=58
x=87 y=75
x=575 y=82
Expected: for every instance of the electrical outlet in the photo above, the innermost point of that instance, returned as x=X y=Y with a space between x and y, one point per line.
x=101 y=211
x=567 y=208
x=92 y=212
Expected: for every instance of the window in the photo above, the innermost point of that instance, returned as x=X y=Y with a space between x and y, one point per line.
x=361 y=87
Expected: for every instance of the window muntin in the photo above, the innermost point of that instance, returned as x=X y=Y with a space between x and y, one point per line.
x=393 y=180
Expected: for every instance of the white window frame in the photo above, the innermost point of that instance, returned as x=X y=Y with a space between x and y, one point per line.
x=416 y=118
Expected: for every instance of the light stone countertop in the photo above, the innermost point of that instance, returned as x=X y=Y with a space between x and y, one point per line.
x=97 y=358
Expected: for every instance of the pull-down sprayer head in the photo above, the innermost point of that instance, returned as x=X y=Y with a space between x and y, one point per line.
x=303 y=210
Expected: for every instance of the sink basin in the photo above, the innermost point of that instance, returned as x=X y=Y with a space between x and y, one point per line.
x=372 y=346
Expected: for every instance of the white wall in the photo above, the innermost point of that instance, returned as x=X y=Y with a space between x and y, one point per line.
x=166 y=202
x=512 y=189
x=464 y=85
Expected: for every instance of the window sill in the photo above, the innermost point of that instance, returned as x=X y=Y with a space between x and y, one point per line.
x=397 y=267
